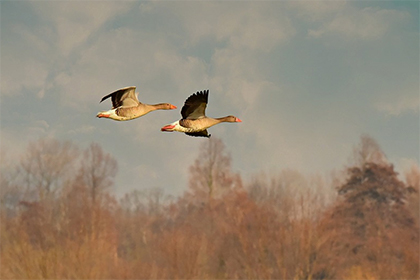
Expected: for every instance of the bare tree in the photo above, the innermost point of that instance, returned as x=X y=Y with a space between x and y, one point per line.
x=151 y=201
x=280 y=190
x=97 y=170
x=155 y=199
x=47 y=164
x=292 y=194
x=10 y=192
x=211 y=174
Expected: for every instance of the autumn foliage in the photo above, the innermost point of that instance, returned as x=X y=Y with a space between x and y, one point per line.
x=60 y=221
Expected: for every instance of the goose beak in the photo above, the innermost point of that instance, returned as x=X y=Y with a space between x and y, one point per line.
x=169 y=127
x=238 y=120
x=102 y=115
x=172 y=107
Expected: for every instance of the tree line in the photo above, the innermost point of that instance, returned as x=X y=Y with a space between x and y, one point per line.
x=60 y=220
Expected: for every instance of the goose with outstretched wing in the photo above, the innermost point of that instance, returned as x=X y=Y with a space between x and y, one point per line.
x=194 y=121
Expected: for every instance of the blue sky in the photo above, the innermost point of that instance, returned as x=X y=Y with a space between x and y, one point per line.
x=307 y=78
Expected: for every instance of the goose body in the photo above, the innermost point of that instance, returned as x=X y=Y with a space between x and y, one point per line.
x=126 y=106
x=194 y=121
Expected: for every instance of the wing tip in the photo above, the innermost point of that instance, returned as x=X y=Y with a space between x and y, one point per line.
x=105 y=97
x=203 y=92
x=198 y=94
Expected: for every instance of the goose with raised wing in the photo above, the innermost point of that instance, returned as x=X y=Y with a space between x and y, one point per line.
x=126 y=106
x=194 y=121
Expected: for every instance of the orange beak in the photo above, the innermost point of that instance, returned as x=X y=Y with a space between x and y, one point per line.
x=167 y=128
x=101 y=115
x=173 y=106
x=238 y=120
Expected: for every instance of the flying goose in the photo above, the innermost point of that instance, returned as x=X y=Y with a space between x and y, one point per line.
x=126 y=106
x=194 y=121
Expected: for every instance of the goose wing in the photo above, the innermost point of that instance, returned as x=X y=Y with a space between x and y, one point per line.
x=125 y=97
x=195 y=106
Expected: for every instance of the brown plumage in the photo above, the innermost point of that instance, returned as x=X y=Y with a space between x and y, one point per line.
x=126 y=106
x=194 y=121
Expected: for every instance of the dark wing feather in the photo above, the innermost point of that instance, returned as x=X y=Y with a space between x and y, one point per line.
x=202 y=133
x=195 y=105
x=123 y=97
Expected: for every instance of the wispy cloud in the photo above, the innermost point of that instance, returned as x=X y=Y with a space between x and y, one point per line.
x=355 y=24
x=254 y=26
x=23 y=72
x=404 y=104
x=73 y=26
x=83 y=129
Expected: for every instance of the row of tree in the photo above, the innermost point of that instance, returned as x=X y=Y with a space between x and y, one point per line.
x=59 y=221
